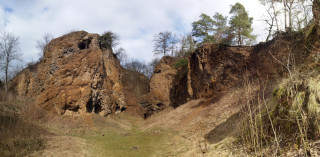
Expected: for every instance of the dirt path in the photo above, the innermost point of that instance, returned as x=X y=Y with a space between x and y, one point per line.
x=62 y=146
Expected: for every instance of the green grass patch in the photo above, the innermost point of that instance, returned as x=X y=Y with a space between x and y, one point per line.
x=131 y=143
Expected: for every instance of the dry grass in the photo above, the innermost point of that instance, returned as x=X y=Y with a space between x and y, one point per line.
x=19 y=135
x=289 y=122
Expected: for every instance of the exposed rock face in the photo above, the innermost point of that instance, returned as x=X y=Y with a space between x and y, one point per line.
x=75 y=74
x=213 y=68
x=179 y=92
x=161 y=81
x=160 y=85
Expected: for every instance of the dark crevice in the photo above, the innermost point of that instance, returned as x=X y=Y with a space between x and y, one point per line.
x=123 y=109
x=84 y=44
x=97 y=108
x=74 y=109
x=89 y=106
x=160 y=105
x=93 y=107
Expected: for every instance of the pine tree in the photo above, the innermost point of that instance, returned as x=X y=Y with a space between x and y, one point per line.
x=240 y=24
x=203 y=28
x=220 y=27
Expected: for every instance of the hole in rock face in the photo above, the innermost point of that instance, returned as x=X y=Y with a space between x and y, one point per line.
x=93 y=107
x=74 y=109
x=97 y=108
x=160 y=104
x=89 y=106
x=84 y=44
x=123 y=109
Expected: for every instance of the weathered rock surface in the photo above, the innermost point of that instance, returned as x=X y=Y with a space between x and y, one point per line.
x=161 y=81
x=213 y=68
x=179 y=92
x=160 y=85
x=76 y=75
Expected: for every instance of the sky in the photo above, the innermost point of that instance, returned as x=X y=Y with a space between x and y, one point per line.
x=135 y=21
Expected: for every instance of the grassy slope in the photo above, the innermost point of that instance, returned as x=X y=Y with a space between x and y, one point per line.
x=118 y=135
x=18 y=135
x=133 y=143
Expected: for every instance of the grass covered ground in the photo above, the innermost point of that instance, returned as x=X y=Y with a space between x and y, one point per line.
x=117 y=135
x=132 y=143
x=18 y=135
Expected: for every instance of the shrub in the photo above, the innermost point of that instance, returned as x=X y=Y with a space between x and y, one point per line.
x=108 y=40
x=290 y=119
x=181 y=63
x=19 y=135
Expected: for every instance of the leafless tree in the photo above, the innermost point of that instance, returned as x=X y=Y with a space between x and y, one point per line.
x=136 y=65
x=306 y=7
x=165 y=42
x=290 y=6
x=9 y=51
x=41 y=44
x=121 y=55
x=152 y=64
x=186 y=45
x=297 y=14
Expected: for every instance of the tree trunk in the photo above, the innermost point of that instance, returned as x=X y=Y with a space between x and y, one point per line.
x=285 y=14
x=289 y=6
x=239 y=42
x=305 y=14
x=6 y=77
x=290 y=18
x=270 y=28
x=275 y=15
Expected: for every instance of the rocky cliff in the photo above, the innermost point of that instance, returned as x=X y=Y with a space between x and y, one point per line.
x=75 y=74
x=161 y=81
x=214 y=68
x=160 y=85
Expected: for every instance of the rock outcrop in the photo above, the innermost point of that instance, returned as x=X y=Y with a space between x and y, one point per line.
x=179 y=92
x=161 y=81
x=160 y=85
x=75 y=74
x=213 y=68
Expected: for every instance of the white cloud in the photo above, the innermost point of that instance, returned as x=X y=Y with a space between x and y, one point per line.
x=136 y=21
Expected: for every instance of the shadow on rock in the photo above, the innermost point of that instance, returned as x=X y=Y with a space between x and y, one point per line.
x=224 y=129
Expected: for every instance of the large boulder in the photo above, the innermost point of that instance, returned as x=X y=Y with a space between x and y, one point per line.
x=75 y=74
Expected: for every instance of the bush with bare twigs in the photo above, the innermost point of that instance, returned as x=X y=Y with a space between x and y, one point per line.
x=19 y=133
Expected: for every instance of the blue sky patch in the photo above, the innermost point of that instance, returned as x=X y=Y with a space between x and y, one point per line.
x=45 y=9
x=8 y=10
